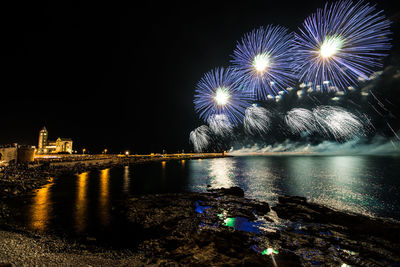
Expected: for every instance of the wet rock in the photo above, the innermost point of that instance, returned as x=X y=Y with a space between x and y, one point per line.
x=234 y=191
x=192 y=228
x=323 y=236
x=217 y=229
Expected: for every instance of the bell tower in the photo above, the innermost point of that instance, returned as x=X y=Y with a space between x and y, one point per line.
x=43 y=142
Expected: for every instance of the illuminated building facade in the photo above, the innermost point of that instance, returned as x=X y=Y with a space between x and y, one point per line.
x=61 y=145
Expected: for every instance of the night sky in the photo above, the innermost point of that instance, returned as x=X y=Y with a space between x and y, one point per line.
x=118 y=77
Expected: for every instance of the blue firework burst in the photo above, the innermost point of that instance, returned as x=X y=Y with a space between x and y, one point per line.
x=263 y=58
x=340 y=44
x=219 y=93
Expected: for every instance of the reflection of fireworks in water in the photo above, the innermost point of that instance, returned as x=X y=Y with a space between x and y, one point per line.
x=263 y=59
x=337 y=122
x=218 y=93
x=200 y=138
x=257 y=120
x=220 y=125
x=300 y=120
x=340 y=44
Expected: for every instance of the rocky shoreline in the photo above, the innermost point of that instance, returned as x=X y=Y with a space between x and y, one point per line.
x=223 y=227
x=220 y=228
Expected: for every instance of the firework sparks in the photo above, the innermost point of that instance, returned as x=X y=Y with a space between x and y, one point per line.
x=257 y=120
x=300 y=120
x=200 y=138
x=263 y=58
x=220 y=125
x=337 y=122
x=340 y=44
x=218 y=92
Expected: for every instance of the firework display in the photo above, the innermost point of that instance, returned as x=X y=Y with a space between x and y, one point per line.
x=257 y=120
x=263 y=58
x=337 y=122
x=340 y=44
x=200 y=138
x=220 y=125
x=337 y=47
x=218 y=93
x=300 y=120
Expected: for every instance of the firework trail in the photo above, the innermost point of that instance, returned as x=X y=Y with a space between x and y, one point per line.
x=220 y=125
x=218 y=93
x=200 y=138
x=300 y=120
x=257 y=120
x=340 y=44
x=263 y=59
x=337 y=122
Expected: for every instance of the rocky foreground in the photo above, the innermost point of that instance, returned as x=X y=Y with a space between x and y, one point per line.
x=220 y=228
x=223 y=227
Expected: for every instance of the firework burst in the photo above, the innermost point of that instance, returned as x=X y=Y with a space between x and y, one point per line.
x=218 y=93
x=263 y=58
x=340 y=44
x=220 y=125
x=200 y=138
x=337 y=122
x=300 y=120
x=257 y=120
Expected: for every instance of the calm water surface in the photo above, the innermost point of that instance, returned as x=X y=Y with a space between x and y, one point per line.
x=84 y=203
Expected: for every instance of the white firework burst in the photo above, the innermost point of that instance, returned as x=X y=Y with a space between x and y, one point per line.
x=300 y=120
x=257 y=120
x=200 y=138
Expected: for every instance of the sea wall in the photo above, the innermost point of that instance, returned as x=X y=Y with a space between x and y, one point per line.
x=16 y=154
x=8 y=154
x=88 y=162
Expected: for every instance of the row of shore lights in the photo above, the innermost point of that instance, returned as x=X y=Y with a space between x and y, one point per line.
x=105 y=151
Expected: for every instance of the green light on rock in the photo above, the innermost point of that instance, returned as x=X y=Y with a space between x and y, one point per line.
x=229 y=222
x=269 y=251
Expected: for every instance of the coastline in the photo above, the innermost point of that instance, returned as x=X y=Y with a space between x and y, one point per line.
x=220 y=227
x=17 y=180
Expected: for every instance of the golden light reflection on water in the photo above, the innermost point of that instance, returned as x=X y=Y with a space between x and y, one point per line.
x=104 y=211
x=81 y=201
x=126 y=179
x=163 y=169
x=41 y=208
